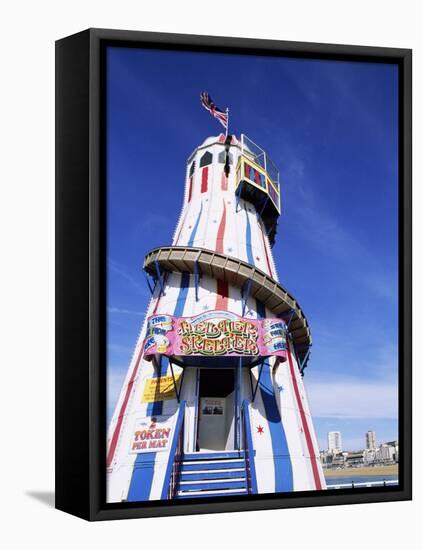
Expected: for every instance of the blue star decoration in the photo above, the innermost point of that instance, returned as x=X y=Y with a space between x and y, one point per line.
x=281 y=388
x=205 y=308
x=230 y=249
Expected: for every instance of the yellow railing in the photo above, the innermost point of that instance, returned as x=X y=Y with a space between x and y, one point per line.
x=247 y=170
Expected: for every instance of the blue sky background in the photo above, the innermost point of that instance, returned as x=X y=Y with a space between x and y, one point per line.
x=331 y=128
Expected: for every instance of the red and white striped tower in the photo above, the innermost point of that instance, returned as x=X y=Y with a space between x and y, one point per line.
x=212 y=425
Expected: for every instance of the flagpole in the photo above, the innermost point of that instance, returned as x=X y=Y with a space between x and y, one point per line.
x=227 y=127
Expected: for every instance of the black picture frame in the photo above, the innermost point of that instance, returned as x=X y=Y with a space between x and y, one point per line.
x=80 y=272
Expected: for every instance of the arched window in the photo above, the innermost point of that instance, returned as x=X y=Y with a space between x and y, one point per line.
x=222 y=158
x=206 y=159
x=192 y=169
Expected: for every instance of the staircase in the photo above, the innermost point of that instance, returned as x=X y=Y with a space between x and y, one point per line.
x=212 y=474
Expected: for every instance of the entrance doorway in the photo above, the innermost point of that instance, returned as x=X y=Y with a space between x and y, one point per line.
x=216 y=410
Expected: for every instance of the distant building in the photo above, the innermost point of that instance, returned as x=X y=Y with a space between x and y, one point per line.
x=371 y=440
x=386 y=453
x=334 y=442
x=355 y=458
x=395 y=446
x=369 y=456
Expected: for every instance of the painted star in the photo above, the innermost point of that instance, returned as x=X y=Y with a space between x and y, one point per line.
x=230 y=249
x=281 y=388
x=260 y=429
x=214 y=221
x=258 y=258
x=205 y=308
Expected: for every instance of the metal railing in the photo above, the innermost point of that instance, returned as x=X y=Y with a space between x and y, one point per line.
x=249 y=450
x=354 y=485
x=174 y=464
x=253 y=151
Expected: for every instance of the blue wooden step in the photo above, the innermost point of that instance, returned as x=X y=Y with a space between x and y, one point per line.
x=210 y=486
x=213 y=466
x=218 y=455
x=223 y=474
x=216 y=494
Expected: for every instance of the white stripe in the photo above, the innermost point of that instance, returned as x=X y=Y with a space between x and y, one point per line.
x=212 y=492
x=201 y=481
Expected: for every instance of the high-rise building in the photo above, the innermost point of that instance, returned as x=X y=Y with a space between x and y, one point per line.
x=371 y=440
x=334 y=442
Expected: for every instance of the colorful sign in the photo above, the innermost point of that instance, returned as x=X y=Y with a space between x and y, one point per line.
x=152 y=434
x=160 y=389
x=215 y=334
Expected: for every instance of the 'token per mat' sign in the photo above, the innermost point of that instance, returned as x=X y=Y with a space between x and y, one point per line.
x=152 y=434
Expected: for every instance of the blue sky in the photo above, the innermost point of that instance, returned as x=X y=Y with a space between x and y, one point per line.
x=331 y=128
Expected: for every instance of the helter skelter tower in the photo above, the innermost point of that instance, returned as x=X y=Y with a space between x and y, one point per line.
x=213 y=402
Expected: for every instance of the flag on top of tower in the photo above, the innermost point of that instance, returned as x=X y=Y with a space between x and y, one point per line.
x=208 y=103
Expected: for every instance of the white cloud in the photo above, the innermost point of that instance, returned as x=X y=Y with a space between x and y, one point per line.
x=125 y=274
x=351 y=398
x=115 y=379
x=125 y=311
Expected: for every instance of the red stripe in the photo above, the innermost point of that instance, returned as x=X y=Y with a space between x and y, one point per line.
x=190 y=188
x=115 y=437
x=308 y=438
x=116 y=433
x=224 y=182
x=204 y=181
x=219 y=245
x=222 y=295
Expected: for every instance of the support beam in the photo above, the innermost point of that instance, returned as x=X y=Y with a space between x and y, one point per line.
x=302 y=364
x=245 y=291
x=196 y=278
x=159 y=276
x=151 y=289
x=257 y=382
x=292 y=312
x=175 y=384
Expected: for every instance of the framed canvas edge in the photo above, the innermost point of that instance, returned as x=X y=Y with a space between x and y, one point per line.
x=94 y=459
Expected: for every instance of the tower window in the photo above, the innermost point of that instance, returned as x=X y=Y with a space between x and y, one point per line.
x=192 y=169
x=222 y=158
x=206 y=159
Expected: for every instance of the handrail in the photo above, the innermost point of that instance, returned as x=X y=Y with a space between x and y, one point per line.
x=171 y=478
x=249 y=450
